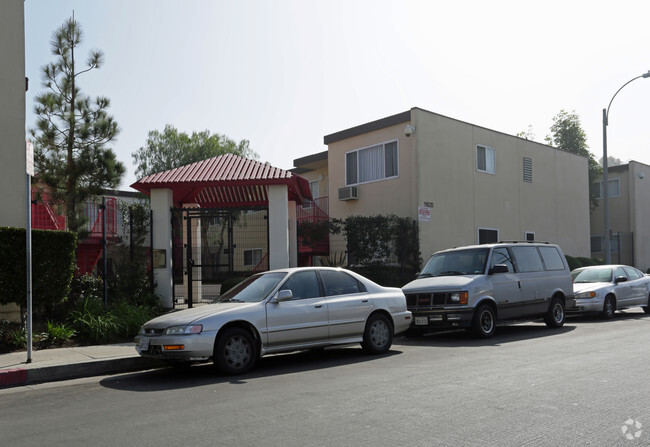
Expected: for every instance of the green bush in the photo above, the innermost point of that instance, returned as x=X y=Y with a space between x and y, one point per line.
x=376 y=242
x=57 y=334
x=130 y=318
x=92 y=323
x=578 y=262
x=53 y=265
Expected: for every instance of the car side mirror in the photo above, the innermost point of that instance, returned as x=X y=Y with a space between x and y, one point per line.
x=620 y=279
x=282 y=295
x=499 y=268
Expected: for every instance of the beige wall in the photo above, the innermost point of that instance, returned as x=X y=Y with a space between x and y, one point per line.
x=391 y=196
x=628 y=215
x=12 y=113
x=438 y=165
x=12 y=122
x=554 y=206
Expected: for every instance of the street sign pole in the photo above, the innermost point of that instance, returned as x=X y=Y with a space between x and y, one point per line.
x=29 y=172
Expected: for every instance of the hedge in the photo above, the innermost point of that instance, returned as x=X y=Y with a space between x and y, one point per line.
x=53 y=266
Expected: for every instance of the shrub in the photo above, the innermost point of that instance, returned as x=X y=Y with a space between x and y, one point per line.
x=93 y=323
x=130 y=318
x=57 y=334
x=50 y=280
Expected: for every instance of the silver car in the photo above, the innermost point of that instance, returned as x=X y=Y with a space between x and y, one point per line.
x=279 y=311
x=607 y=288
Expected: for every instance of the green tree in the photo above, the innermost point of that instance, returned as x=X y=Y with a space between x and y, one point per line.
x=72 y=130
x=171 y=149
x=567 y=134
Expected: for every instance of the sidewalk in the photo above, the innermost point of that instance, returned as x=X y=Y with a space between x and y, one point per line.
x=50 y=365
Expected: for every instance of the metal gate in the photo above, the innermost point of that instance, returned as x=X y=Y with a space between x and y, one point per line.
x=213 y=247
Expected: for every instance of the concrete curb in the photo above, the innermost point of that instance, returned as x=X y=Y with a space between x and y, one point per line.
x=32 y=375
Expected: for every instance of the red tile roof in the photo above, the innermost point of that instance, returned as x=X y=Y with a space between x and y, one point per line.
x=225 y=181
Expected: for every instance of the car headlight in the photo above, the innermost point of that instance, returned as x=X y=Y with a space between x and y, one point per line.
x=184 y=330
x=586 y=295
x=458 y=298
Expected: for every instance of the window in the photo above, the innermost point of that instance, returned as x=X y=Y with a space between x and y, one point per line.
x=303 y=285
x=485 y=159
x=632 y=273
x=502 y=256
x=552 y=258
x=488 y=236
x=340 y=283
x=528 y=259
x=314 y=188
x=252 y=257
x=529 y=236
x=528 y=170
x=596 y=244
x=614 y=189
x=372 y=163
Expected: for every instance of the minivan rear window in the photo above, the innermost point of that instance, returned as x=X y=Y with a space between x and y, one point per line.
x=528 y=259
x=552 y=258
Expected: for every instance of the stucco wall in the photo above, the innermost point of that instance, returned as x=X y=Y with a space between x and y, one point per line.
x=389 y=196
x=12 y=113
x=437 y=165
x=554 y=205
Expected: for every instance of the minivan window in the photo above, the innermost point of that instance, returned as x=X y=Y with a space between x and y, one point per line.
x=528 y=259
x=457 y=262
x=552 y=258
x=502 y=256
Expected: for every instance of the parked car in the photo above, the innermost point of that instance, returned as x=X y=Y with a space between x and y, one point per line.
x=477 y=286
x=606 y=288
x=278 y=311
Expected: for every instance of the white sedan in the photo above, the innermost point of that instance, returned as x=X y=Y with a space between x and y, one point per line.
x=279 y=311
x=607 y=288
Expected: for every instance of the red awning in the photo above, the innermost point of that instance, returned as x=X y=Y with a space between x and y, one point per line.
x=226 y=181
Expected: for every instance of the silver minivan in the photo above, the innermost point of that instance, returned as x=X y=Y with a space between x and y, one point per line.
x=477 y=286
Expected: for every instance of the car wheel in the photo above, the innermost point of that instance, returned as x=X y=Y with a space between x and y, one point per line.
x=609 y=307
x=484 y=322
x=646 y=309
x=378 y=335
x=235 y=351
x=555 y=315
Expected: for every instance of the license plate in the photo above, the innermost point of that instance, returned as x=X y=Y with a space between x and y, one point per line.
x=421 y=321
x=144 y=343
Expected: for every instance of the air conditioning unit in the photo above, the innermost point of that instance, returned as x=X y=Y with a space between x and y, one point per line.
x=348 y=193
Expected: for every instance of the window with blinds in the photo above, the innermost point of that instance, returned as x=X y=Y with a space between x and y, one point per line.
x=372 y=163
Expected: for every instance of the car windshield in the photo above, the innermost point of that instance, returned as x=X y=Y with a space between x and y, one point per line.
x=253 y=289
x=603 y=274
x=458 y=262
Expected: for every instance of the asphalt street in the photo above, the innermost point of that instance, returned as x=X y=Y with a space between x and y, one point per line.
x=584 y=384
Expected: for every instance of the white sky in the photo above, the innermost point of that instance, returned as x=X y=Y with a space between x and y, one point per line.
x=285 y=73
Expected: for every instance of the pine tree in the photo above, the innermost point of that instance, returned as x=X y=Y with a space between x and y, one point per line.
x=72 y=130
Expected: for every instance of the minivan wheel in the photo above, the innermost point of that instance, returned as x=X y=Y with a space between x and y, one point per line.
x=484 y=322
x=609 y=307
x=555 y=316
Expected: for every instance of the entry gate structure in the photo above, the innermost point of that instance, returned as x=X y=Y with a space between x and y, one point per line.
x=214 y=245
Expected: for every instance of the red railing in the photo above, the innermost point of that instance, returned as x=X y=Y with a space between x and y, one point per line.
x=315 y=212
x=50 y=215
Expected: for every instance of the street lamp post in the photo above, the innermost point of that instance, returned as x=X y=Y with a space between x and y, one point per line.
x=608 y=255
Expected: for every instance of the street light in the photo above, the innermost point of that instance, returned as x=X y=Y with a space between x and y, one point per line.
x=608 y=255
